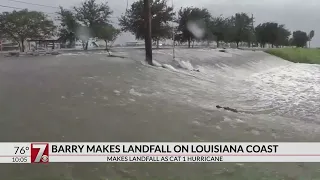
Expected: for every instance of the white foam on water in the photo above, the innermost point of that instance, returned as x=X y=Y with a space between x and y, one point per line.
x=160 y=52
x=117 y=92
x=186 y=65
x=133 y=92
x=156 y=63
x=168 y=66
x=254 y=82
x=103 y=52
x=68 y=54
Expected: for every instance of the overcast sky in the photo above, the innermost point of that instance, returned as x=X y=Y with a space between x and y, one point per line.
x=295 y=14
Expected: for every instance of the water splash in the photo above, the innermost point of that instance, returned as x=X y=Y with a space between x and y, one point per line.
x=253 y=82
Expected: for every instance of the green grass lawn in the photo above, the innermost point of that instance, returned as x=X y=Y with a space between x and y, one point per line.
x=297 y=55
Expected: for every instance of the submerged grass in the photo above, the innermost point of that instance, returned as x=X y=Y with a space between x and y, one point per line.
x=297 y=55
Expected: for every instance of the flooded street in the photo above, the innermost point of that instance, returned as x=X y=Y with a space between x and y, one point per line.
x=91 y=97
x=252 y=82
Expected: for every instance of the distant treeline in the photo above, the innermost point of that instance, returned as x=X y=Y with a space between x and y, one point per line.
x=197 y=24
x=91 y=19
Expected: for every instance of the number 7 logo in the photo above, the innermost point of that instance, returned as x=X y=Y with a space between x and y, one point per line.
x=39 y=153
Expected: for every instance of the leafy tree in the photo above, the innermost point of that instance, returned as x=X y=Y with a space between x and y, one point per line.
x=290 y=42
x=108 y=33
x=192 y=16
x=92 y=15
x=20 y=25
x=68 y=25
x=310 y=36
x=84 y=33
x=260 y=32
x=241 y=26
x=162 y=14
x=178 y=38
x=282 y=36
x=229 y=30
x=2 y=36
x=209 y=37
x=251 y=36
x=272 y=33
x=300 y=38
x=183 y=33
x=219 y=29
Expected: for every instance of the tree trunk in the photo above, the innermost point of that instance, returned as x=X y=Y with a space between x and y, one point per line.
x=158 y=43
x=86 y=46
x=107 y=47
x=148 y=31
x=22 y=45
x=106 y=44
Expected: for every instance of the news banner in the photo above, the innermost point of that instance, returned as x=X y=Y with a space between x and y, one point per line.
x=63 y=152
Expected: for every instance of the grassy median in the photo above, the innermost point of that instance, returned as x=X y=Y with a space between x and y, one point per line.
x=297 y=55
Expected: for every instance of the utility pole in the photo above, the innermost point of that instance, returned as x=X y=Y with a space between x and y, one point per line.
x=252 y=29
x=148 y=41
x=173 y=38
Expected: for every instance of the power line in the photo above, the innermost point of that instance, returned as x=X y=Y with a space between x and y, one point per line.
x=37 y=5
x=10 y=7
x=21 y=8
x=173 y=37
x=34 y=4
x=43 y=12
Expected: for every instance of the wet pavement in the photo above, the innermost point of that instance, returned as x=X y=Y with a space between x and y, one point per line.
x=92 y=97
